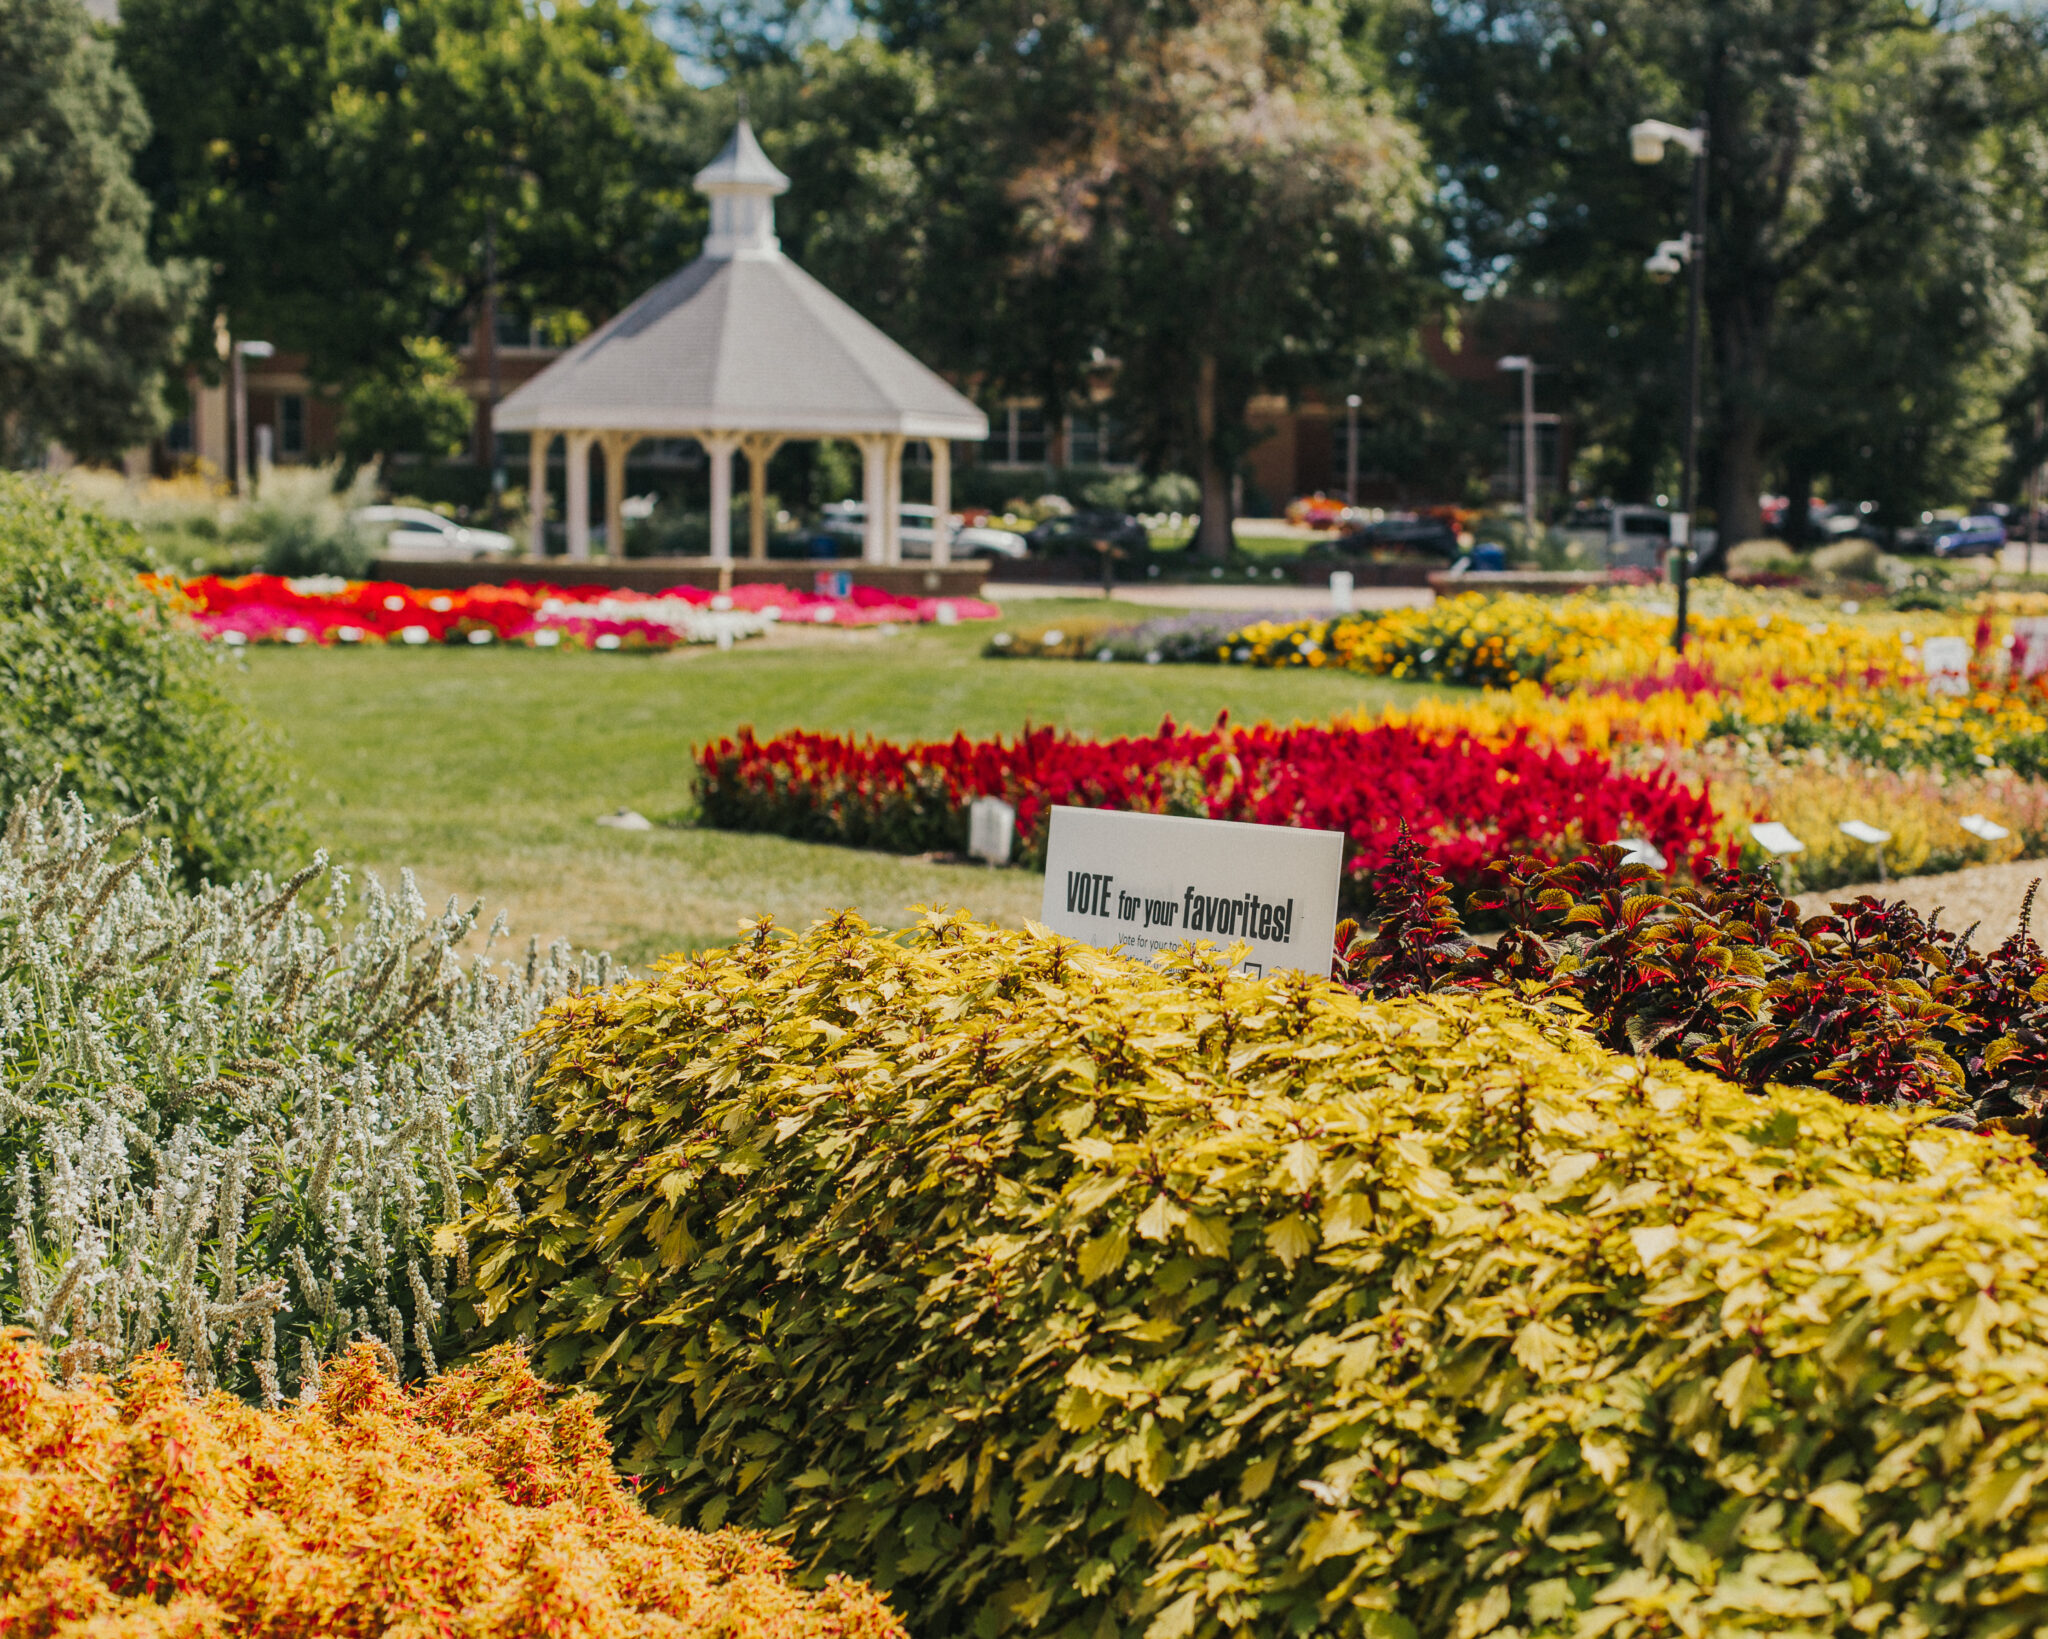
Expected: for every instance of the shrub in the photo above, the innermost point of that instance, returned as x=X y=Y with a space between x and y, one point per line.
x=305 y=526
x=101 y=684
x=1472 y=798
x=228 y=1126
x=476 y=1505
x=1057 y=1294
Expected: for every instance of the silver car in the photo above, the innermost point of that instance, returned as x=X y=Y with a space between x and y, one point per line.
x=917 y=527
x=416 y=535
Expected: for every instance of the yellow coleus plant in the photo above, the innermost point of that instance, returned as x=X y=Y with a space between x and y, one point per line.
x=1059 y=1294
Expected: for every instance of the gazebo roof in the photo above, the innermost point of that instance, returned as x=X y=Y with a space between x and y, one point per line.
x=741 y=340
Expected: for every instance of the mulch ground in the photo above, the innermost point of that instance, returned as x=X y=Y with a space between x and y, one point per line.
x=1988 y=895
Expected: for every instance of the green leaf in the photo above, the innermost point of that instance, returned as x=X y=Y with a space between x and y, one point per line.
x=1104 y=1255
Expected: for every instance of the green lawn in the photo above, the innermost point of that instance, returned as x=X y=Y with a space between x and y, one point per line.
x=485 y=769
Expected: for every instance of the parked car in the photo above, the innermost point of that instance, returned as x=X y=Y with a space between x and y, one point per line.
x=1978 y=536
x=1433 y=536
x=846 y=522
x=1081 y=535
x=419 y=536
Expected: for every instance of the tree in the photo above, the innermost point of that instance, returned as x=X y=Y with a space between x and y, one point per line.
x=1847 y=159
x=89 y=325
x=1246 y=193
x=352 y=170
x=1209 y=195
x=411 y=407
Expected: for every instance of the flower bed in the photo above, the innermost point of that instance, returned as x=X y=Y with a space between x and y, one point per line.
x=479 y=1504
x=1471 y=798
x=1497 y=640
x=270 y=609
x=1806 y=722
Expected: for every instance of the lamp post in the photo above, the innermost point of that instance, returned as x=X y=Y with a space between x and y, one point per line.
x=1351 y=450
x=1647 y=141
x=1527 y=365
x=245 y=350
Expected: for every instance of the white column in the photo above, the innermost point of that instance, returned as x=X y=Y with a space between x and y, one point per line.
x=892 y=518
x=578 y=506
x=617 y=446
x=538 y=443
x=942 y=501
x=719 y=447
x=759 y=449
x=874 y=495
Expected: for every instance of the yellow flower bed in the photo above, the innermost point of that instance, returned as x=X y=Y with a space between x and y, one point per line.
x=1895 y=727
x=1585 y=722
x=1569 y=643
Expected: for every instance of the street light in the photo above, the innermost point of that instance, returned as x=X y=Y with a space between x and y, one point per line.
x=1527 y=365
x=1351 y=450
x=245 y=350
x=1669 y=259
x=1647 y=141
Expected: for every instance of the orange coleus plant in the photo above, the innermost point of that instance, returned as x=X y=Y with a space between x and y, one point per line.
x=481 y=1503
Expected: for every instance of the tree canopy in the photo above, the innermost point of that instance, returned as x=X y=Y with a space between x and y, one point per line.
x=1178 y=203
x=89 y=324
x=1866 y=295
x=342 y=166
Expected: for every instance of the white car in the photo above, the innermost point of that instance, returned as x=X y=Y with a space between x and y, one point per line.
x=419 y=536
x=916 y=525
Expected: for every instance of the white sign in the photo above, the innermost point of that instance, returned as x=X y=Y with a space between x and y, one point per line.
x=1636 y=851
x=1945 y=661
x=2030 y=645
x=991 y=829
x=1151 y=882
x=1341 y=583
x=1774 y=838
x=1978 y=826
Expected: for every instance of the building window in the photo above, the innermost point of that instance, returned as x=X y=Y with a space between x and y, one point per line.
x=1027 y=437
x=1508 y=482
x=1094 y=441
x=291 y=424
x=1018 y=436
x=178 y=439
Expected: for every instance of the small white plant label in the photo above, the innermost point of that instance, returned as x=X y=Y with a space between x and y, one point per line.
x=1945 y=661
x=1147 y=883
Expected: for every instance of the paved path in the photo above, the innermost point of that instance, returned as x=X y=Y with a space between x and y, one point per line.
x=1240 y=597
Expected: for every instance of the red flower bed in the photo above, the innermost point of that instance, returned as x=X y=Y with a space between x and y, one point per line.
x=1470 y=801
x=271 y=609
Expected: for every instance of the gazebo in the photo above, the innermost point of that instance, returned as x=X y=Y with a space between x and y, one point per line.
x=743 y=351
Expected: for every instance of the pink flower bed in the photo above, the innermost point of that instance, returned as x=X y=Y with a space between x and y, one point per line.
x=269 y=609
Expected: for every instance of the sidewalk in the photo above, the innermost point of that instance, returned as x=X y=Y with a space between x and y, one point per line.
x=1260 y=597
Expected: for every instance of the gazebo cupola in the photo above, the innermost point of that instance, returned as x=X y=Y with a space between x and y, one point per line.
x=741 y=350
x=742 y=184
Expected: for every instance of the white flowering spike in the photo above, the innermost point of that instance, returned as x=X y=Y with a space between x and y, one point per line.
x=236 y=1124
